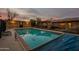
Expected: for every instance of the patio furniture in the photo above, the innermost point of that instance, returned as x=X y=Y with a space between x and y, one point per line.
x=6 y=33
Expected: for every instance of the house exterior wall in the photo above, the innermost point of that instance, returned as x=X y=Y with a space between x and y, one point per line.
x=15 y=24
x=75 y=25
x=66 y=25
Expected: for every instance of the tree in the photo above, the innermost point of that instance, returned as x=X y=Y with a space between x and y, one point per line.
x=50 y=23
x=33 y=22
x=11 y=15
x=38 y=22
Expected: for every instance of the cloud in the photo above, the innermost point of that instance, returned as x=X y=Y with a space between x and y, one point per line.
x=45 y=12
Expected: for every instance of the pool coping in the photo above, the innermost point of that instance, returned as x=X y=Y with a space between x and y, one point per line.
x=48 y=30
x=57 y=32
x=22 y=43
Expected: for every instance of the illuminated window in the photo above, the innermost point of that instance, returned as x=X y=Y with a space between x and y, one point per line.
x=69 y=24
x=62 y=24
x=12 y=22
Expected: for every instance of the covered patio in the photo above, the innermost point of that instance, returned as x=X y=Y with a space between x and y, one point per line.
x=70 y=25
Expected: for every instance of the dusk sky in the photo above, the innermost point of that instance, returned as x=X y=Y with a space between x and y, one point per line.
x=46 y=12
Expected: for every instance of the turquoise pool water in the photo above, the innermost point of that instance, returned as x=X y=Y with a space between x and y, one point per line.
x=35 y=37
x=67 y=42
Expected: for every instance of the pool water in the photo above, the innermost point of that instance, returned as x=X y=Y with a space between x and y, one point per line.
x=35 y=37
x=67 y=42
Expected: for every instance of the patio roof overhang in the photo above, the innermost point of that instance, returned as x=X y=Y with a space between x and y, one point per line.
x=66 y=20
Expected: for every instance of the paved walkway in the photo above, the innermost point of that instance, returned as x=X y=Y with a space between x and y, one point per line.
x=8 y=43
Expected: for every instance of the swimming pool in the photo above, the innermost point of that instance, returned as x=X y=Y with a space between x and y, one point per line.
x=32 y=38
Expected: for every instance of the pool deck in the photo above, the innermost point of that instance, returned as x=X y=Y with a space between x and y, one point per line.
x=8 y=43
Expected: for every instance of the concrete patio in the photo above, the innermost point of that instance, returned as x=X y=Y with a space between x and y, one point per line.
x=8 y=43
